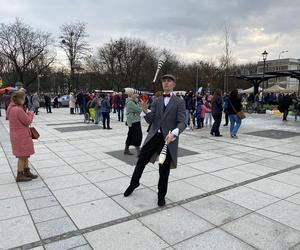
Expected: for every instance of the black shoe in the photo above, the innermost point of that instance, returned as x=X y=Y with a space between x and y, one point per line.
x=218 y=135
x=129 y=190
x=211 y=133
x=161 y=202
x=109 y=128
x=225 y=125
x=104 y=127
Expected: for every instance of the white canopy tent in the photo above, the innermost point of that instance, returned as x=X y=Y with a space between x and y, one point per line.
x=275 y=89
x=250 y=90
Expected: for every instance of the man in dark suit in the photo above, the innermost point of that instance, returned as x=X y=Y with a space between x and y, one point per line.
x=166 y=116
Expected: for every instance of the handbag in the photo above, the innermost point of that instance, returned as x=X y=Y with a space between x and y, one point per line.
x=240 y=114
x=34 y=133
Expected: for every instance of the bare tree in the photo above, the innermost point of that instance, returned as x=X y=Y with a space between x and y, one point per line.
x=124 y=61
x=226 y=59
x=28 y=51
x=72 y=41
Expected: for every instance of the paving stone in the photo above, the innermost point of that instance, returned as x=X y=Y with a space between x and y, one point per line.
x=12 y=207
x=207 y=166
x=208 y=182
x=288 y=178
x=130 y=235
x=175 y=224
x=263 y=233
x=256 y=169
x=276 y=163
x=102 y=174
x=67 y=243
x=274 y=134
x=115 y=186
x=288 y=158
x=41 y=202
x=228 y=161
x=179 y=190
x=56 y=171
x=248 y=157
x=284 y=212
x=150 y=179
x=128 y=170
x=131 y=159
x=75 y=195
x=36 y=193
x=78 y=159
x=7 y=178
x=215 y=239
x=184 y=172
x=37 y=248
x=84 y=247
x=77 y=128
x=138 y=201
x=294 y=198
x=48 y=213
x=30 y=185
x=89 y=165
x=297 y=247
x=216 y=210
x=16 y=232
x=48 y=163
x=43 y=156
x=66 y=181
x=275 y=188
x=55 y=227
x=248 y=198
x=96 y=212
x=9 y=191
x=234 y=175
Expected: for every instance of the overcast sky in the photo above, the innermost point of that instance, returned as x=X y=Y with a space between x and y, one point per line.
x=193 y=29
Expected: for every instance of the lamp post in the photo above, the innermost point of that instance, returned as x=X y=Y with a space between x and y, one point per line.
x=38 y=78
x=284 y=51
x=197 y=80
x=264 y=54
x=278 y=64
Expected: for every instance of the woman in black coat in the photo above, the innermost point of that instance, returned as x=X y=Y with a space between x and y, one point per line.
x=216 y=110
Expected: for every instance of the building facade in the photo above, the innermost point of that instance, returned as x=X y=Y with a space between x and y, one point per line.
x=280 y=65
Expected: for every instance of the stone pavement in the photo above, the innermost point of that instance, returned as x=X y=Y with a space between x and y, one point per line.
x=226 y=193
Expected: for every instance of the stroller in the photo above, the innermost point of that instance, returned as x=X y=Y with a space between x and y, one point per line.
x=89 y=116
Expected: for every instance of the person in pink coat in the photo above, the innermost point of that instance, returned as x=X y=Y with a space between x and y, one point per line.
x=20 y=135
x=206 y=113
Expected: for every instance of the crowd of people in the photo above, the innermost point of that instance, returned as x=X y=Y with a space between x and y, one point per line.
x=201 y=110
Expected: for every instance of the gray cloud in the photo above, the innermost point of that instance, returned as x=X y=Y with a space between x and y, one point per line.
x=193 y=29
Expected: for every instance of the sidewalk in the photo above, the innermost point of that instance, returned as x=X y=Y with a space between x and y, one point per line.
x=225 y=193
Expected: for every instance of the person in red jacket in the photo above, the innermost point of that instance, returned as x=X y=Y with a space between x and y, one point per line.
x=20 y=135
x=114 y=102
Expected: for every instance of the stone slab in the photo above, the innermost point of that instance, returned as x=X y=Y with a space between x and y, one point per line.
x=263 y=233
x=215 y=239
x=176 y=224
x=126 y=236
x=132 y=159
x=274 y=134
x=216 y=210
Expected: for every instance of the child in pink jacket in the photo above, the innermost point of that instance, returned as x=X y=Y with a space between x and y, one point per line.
x=206 y=113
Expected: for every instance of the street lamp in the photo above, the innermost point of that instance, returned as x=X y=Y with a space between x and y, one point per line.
x=284 y=51
x=197 y=79
x=264 y=54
